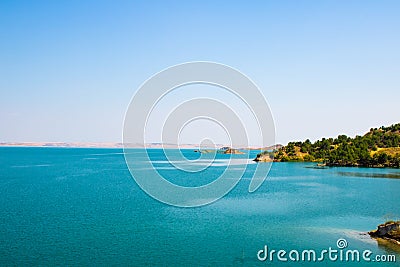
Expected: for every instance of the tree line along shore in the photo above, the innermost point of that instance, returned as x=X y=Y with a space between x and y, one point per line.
x=377 y=148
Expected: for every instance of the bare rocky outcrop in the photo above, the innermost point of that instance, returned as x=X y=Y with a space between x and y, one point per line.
x=223 y=150
x=232 y=151
x=389 y=231
x=264 y=157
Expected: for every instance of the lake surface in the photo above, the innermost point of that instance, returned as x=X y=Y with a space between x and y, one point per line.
x=71 y=206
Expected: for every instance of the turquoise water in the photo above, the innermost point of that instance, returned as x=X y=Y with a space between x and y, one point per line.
x=62 y=206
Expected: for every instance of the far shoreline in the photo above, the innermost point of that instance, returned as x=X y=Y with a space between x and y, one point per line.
x=118 y=145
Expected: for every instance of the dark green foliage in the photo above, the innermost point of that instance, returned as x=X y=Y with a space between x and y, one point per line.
x=347 y=151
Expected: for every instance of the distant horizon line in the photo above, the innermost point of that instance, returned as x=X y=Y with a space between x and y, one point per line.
x=121 y=145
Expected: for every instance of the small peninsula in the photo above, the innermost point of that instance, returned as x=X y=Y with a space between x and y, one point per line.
x=380 y=147
x=222 y=150
x=389 y=231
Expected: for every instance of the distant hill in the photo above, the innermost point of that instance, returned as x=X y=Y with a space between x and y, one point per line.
x=377 y=148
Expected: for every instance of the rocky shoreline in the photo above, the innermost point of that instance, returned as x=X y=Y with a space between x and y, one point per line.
x=264 y=157
x=389 y=231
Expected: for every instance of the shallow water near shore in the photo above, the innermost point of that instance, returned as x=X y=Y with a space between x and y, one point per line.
x=81 y=207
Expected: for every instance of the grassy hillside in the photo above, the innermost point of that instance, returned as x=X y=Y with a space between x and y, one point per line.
x=377 y=148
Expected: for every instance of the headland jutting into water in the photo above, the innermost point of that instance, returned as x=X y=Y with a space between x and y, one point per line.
x=377 y=148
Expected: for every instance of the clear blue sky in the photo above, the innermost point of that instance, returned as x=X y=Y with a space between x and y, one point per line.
x=68 y=69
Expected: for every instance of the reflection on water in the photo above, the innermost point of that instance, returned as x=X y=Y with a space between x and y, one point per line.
x=370 y=175
x=389 y=246
x=317 y=167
